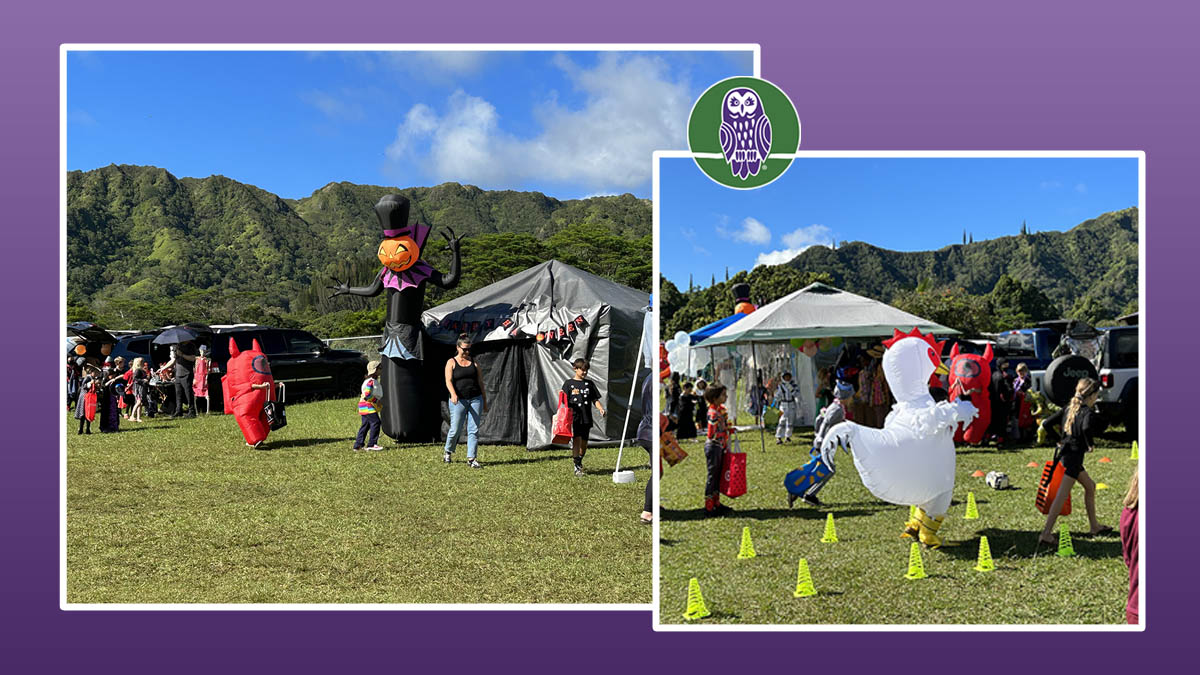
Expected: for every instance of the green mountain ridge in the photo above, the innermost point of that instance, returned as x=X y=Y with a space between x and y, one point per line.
x=143 y=245
x=1090 y=270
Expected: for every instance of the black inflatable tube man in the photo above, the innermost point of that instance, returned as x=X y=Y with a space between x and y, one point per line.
x=406 y=405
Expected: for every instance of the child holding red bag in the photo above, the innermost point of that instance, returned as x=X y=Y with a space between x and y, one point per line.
x=581 y=393
x=715 y=448
x=85 y=406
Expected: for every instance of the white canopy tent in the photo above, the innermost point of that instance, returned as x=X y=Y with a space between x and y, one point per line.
x=766 y=339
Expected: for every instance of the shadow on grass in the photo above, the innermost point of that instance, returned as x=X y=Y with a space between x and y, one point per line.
x=532 y=460
x=131 y=427
x=304 y=442
x=1024 y=544
x=760 y=514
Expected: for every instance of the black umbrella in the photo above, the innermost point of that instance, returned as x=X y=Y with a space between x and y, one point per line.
x=173 y=336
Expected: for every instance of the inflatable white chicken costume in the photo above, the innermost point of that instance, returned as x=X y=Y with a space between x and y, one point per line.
x=911 y=459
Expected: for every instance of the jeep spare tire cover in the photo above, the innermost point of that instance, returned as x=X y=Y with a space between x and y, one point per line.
x=1063 y=374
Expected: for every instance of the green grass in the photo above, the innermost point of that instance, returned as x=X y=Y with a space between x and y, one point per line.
x=860 y=579
x=181 y=511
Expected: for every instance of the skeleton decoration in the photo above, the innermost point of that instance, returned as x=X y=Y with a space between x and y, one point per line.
x=745 y=132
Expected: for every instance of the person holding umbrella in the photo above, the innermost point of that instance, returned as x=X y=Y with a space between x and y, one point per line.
x=183 y=356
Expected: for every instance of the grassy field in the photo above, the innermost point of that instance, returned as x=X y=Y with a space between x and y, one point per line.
x=860 y=579
x=181 y=511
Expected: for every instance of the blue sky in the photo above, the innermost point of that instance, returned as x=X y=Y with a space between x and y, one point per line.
x=899 y=204
x=568 y=124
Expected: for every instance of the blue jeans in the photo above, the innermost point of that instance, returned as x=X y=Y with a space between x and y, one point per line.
x=466 y=410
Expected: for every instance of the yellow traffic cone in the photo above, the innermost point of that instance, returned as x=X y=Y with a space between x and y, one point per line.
x=1065 y=548
x=972 y=509
x=916 y=567
x=747 y=549
x=984 y=564
x=1133 y=454
x=804 y=583
x=830 y=536
x=695 y=602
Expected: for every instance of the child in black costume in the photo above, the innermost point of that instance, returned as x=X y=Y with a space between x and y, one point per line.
x=581 y=393
x=687 y=412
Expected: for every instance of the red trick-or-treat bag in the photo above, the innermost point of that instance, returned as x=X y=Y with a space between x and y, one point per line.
x=733 y=472
x=1052 y=475
x=563 y=420
x=89 y=406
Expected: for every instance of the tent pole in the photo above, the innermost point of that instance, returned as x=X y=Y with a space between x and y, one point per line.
x=632 y=393
x=762 y=428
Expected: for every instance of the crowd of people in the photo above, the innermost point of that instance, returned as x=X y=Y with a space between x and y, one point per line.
x=1074 y=427
x=115 y=391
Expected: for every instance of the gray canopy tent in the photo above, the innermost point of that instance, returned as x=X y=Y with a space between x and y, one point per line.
x=764 y=339
x=528 y=328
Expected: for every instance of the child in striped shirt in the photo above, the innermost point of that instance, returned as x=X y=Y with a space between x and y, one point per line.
x=368 y=409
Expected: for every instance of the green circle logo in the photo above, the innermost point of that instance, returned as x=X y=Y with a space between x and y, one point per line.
x=743 y=132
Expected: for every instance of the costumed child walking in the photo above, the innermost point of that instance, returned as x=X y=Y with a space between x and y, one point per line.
x=1080 y=425
x=785 y=400
x=85 y=405
x=830 y=415
x=581 y=395
x=368 y=410
x=138 y=378
x=715 y=448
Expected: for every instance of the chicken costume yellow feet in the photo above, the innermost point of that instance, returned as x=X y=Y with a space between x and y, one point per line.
x=924 y=528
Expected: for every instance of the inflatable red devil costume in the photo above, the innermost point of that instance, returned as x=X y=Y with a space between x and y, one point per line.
x=970 y=375
x=245 y=394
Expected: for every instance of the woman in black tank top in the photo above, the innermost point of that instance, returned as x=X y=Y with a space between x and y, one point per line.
x=468 y=401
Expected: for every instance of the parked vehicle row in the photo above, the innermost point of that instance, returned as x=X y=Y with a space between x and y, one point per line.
x=298 y=358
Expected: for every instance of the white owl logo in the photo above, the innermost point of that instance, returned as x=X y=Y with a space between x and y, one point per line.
x=745 y=132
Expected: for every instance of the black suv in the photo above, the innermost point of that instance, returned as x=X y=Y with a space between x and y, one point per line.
x=298 y=358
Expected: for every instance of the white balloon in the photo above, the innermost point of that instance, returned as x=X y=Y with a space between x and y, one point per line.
x=683 y=338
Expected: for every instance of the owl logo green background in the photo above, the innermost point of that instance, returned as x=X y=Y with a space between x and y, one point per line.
x=743 y=132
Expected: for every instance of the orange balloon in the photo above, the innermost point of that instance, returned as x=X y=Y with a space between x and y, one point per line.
x=106 y=349
x=80 y=349
x=399 y=253
x=744 y=308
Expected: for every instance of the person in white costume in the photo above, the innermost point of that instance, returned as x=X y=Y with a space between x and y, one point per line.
x=909 y=461
x=786 y=397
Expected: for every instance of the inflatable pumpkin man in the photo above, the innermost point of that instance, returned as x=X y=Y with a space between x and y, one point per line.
x=911 y=459
x=246 y=386
x=409 y=407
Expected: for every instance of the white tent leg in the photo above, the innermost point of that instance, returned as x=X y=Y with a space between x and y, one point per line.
x=629 y=408
x=762 y=428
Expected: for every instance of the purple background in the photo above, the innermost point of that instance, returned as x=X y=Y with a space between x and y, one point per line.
x=951 y=75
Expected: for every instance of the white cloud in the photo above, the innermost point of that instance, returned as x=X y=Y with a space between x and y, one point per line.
x=689 y=234
x=81 y=117
x=333 y=107
x=436 y=65
x=1051 y=185
x=631 y=107
x=429 y=66
x=797 y=241
x=1081 y=188
x=751 y=232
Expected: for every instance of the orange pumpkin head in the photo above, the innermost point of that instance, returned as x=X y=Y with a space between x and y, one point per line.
x=399 y=253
